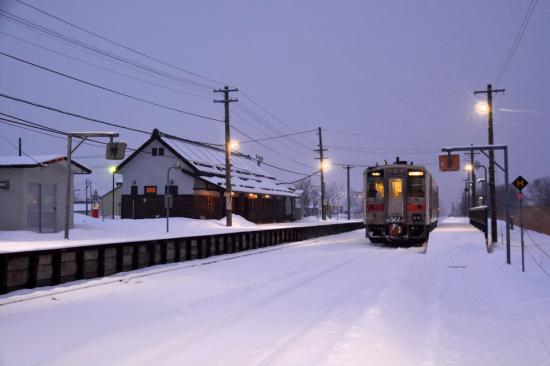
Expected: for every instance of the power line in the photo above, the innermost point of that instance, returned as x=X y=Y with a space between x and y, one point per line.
x=103 y=67
x=97 y=51
x=119 y=44
x=517 y=40
x=352 y=133
x=278 y=137
x=17 y=148
x=109 y=89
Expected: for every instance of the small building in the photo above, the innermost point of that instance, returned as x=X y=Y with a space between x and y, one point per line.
x=106 y=203
x=198 y=186
x=33 y=191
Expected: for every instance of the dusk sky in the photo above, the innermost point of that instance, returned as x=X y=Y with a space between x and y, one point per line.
x=383 y=78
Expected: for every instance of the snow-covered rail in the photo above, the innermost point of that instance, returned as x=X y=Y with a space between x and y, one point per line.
x=53 y=266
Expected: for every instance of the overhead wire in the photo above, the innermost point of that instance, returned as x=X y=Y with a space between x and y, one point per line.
x=119 y=44
x=103 y=67
x=517 y=41
x=109 y=89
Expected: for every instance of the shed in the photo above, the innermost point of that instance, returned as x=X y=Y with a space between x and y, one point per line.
x=198 y=186
x=33 y=190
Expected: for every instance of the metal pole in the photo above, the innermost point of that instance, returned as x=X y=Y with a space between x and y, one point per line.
x=113 y=197
x=86 y=182
x=20 y=147
x=474 y=198
x=166 y=200
x=521 y=223
x=68 y=191
x=506 y=204
x=348 y=167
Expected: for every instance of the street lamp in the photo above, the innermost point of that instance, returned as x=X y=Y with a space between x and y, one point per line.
x=112 y=170
x=325 y=165
x=234 y=145
x=168 y=196
x=478 y=165
x=482 y=108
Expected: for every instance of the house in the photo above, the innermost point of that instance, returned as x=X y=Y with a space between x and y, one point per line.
x=198 y=185
x=33 y=191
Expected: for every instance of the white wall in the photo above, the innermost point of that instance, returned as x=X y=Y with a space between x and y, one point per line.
x=149 y=170
x=13 y=204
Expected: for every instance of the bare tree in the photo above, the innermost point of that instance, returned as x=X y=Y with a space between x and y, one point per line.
x=538 y=191
x=309 y=196
x=334 y=194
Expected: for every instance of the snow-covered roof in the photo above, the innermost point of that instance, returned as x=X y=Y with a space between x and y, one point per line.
x=247 y=176
x=33 y=161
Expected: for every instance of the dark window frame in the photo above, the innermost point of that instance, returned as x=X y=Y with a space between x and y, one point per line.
x=173 y=189
x=154 y=152
x=161 y=151
x=134 y=190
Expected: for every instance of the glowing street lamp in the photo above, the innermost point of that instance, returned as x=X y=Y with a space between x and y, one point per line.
x=234 y=145
x=482 y=108
x=468 y=167
x=325 y=165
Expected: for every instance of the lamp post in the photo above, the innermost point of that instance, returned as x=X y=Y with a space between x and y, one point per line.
x=112 y=170
x=478 y=165
x=168 y=195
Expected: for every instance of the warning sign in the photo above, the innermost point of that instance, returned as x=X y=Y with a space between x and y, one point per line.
x=520 y=183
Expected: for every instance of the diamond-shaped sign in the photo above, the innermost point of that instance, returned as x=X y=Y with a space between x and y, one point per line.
x=520 y=183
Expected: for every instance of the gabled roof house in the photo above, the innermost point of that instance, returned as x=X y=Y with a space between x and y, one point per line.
x=198 y=186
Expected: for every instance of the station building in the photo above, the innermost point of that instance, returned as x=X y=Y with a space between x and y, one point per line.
x=198 y=185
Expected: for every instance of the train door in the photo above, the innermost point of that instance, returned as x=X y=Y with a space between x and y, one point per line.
x=395 y=198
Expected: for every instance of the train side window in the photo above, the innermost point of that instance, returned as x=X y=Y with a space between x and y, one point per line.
x=376 y=188
x=396 y=188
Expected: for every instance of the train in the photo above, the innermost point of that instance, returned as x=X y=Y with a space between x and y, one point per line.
x=401 y=203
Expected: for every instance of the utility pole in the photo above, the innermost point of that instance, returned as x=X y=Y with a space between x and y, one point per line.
x=322 y=168
x=348 y=167
x=86 y=181
x=492 y=191
x=228 y=201
x=20 y=147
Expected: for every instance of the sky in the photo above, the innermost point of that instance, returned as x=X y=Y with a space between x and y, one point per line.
x=382 y=79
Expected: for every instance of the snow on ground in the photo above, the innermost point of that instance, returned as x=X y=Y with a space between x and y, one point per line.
x=331 y=301
x=89 y=231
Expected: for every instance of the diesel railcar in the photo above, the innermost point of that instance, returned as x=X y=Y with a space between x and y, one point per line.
x=401 y=203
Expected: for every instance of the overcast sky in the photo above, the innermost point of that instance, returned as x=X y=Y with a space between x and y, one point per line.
x=383 y=78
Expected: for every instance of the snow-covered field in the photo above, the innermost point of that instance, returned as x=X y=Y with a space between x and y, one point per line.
x=331 y=301
x=90 y=231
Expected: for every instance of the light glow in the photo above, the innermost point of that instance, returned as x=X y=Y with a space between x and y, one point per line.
x=375 y=174
x=233 y=145
x=112 y=169
x=325 y=165
x=482 y=107
x=416 y=174
x=468 y=167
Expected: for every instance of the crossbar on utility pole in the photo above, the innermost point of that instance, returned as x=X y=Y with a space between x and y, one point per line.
x=228 y=200
x=492 y=191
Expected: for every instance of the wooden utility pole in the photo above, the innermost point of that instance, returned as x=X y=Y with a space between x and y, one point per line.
x=228 y=201
x=322 y=168
x=348 y=167
x=492 y=191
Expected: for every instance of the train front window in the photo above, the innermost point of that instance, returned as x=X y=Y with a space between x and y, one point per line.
x=396 y=188
x=415 y=186
x=376 y=188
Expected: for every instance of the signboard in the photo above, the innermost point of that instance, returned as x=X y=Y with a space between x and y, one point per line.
x=115 y=150
x=449 y=162
x=520 y=183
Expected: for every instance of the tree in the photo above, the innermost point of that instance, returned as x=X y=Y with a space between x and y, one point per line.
x=501 y=199
x=333 y=196
x=538 y=192
x=309 y=196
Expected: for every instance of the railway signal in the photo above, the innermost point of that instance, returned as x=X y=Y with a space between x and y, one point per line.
x=521 y=183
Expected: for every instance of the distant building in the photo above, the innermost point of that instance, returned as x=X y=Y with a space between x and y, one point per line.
x=198 y=186
x=33 y=191
x=106 y=203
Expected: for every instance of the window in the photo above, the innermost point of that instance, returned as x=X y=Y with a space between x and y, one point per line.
x=155 y=151
x=375 y=188
x=152 y=190
x=161 y=151
x=415 y=186
x=396 y=188
x=173 y=190
x=134 y=190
